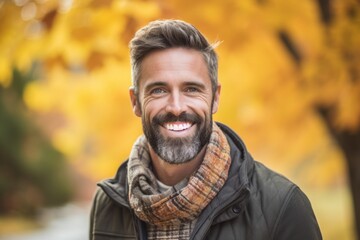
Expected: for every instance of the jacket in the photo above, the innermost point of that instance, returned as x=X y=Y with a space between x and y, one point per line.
x=254 y=204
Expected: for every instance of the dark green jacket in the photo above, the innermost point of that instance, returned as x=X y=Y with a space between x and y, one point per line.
x=254 y=204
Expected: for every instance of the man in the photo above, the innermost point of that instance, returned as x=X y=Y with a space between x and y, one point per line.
x=188 y=177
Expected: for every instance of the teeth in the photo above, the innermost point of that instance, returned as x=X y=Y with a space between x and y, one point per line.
x=177 y=127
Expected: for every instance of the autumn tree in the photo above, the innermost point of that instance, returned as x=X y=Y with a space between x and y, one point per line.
x=33 y=173
x=335 y=68
x=288 y=70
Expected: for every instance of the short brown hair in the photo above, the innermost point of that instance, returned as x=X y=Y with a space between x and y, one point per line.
x=164 y=34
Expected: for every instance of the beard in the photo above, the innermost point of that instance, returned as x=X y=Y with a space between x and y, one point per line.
x=177 y=150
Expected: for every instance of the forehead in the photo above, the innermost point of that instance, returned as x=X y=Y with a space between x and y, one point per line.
x=174 y=64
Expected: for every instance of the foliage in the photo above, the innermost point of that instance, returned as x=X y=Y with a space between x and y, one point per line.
x=32 y=172
x=281 y=64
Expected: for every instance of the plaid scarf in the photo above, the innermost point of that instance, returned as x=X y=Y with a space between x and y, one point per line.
x=172 y=214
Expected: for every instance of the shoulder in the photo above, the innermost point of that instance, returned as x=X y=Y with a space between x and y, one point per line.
x=270 y=183
x=283 y=206
x=101 y=200
x=111 y=193
x=109 y=218
x=269 y=194
x=110 y=213
x=104 y=205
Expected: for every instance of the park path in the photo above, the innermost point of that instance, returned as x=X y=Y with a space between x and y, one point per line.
x=70 y=222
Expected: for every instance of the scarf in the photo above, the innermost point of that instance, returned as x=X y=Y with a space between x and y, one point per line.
x=172 y=214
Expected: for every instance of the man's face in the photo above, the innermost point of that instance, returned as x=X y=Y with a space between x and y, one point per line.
x=176 y=103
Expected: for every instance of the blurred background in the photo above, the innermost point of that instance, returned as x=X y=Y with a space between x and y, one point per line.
x=290 y=74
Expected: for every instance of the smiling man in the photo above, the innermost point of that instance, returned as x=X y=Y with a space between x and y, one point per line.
x=188 y=177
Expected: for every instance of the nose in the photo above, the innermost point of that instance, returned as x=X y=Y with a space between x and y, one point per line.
x=175 y=104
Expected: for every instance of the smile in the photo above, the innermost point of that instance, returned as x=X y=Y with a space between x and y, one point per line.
x=177 y=126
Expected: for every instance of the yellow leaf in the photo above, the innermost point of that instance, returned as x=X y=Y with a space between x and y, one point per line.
x=5 y=71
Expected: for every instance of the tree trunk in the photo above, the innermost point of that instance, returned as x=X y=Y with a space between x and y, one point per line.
x=349 y=142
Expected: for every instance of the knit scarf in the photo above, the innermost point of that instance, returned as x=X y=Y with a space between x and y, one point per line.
x=171 y=214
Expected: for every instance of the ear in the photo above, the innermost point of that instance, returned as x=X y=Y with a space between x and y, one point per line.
x=216 y=99
x=134 y=102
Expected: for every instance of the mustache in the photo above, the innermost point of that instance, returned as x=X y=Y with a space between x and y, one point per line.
x=183 y=117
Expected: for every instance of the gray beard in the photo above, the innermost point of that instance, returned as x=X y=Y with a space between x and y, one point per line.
x=177 y=151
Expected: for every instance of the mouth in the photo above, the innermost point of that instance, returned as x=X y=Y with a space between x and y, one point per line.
x=177 y=126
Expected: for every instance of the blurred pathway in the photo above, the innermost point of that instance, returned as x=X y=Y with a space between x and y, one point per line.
x=70 y=222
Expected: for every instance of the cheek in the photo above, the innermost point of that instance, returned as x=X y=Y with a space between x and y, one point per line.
x=150 y=110
x=202 y=107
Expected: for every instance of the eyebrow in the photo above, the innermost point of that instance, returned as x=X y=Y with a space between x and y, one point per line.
x=195 y=83
x=154 y=84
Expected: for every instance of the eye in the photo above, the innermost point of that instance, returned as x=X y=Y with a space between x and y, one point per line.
x=192 y=89
x=157 y=91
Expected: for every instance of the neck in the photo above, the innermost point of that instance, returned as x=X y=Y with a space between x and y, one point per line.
x=171 y=174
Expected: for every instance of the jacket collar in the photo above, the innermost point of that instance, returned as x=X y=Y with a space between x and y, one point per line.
x=117 y=188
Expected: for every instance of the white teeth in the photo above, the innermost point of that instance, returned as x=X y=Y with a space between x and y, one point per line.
x=177 y=127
